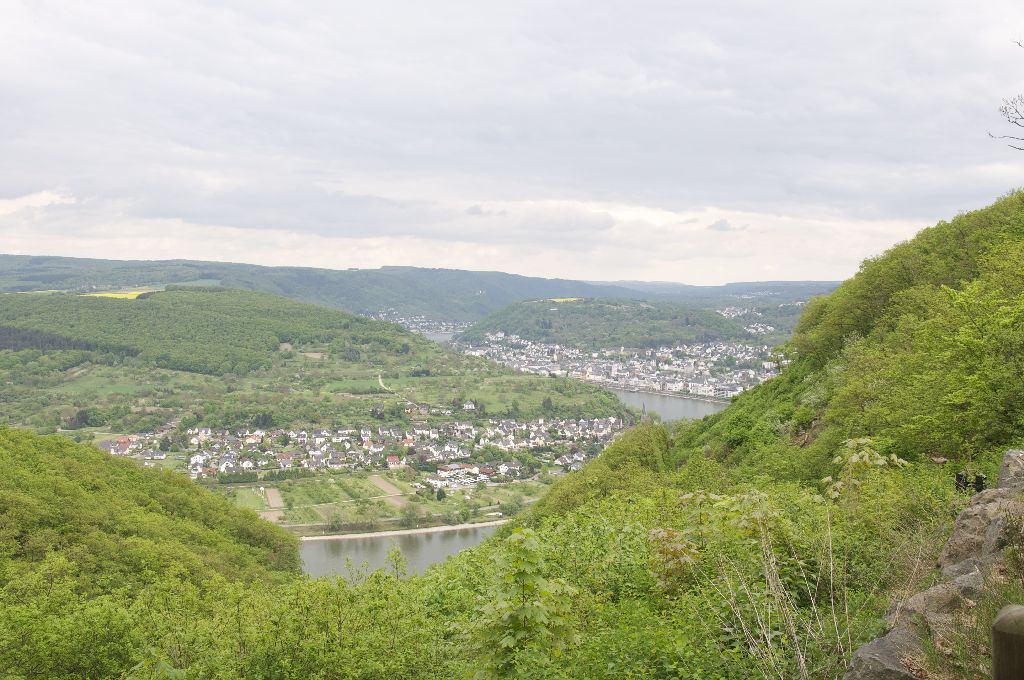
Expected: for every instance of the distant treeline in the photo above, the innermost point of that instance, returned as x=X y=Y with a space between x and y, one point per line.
x=208 y=330
x=12 y=338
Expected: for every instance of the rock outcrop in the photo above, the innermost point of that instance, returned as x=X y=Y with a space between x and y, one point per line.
x=980 y=533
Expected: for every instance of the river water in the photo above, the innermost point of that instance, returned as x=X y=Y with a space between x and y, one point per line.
x=442 y=338
x=327 y=557
x=670 y=407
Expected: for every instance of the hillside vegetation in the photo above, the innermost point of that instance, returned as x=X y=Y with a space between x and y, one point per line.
x=763 y=542
x=238 y=358
x=588 y=323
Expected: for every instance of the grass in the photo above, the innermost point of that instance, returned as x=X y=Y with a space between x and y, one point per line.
x=249 y=498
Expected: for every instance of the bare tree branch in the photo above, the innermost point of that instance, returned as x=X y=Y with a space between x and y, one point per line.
x=1013 y=111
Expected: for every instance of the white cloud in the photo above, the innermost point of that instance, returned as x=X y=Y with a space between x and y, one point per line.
x=600 y=141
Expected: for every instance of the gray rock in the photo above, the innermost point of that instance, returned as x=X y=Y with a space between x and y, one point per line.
x=882 y=658
x=970 y=584
x=1002 y=532
x=960 y=568
x=943 y=598
x=1011 y=472
x=972 y=525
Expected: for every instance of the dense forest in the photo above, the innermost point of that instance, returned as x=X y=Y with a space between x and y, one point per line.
x=597 y=323
x=763 y=542
x=201 y=330
x=444 y=294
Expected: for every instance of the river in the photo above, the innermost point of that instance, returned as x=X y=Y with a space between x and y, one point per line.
x=670 y=407
x=327 y=557
x=440 y=337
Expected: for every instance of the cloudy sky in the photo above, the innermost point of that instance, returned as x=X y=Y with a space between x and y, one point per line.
x=692 y=141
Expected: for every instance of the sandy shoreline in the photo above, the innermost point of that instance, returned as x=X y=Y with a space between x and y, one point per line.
x=405 y=532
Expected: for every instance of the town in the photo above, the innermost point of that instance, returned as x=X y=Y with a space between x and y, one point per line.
x=715 y=370
x=448 y=455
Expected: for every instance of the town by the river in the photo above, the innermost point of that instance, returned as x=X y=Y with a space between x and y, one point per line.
x=345 y=555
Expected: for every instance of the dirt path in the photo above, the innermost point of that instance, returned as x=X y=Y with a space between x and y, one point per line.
x=394 y=494
x=272 y=515
x=274 y=499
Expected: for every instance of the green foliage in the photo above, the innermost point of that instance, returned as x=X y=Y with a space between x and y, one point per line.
x=117 y=524
x=605 y=323
x=525 y=620
x=198 y=330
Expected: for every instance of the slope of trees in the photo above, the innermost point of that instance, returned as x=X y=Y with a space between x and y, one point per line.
x=604 y=323
x=202 y=330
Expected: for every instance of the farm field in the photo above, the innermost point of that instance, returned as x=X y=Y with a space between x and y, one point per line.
x=119 y=295
x=357 y=501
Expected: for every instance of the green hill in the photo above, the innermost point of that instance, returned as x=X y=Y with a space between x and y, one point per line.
x=445 y=294
x=596 y=323
x=765 y=541
x=237 y=358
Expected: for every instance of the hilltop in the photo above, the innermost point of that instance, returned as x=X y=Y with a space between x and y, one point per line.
x=440 y=294
x=600 y=323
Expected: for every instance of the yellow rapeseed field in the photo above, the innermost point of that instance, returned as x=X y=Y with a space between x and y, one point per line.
x=124 y=294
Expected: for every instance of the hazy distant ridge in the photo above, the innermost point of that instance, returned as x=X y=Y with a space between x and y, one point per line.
x=450 y=294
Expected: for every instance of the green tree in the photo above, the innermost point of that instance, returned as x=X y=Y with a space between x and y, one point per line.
x=525 y=620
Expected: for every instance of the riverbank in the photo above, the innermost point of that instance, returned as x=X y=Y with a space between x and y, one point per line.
x=404 y=532
x=664 y=393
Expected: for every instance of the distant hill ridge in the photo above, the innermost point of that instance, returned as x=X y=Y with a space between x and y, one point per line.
x=443 y=294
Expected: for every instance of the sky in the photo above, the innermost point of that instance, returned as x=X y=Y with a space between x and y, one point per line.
x=692 y=141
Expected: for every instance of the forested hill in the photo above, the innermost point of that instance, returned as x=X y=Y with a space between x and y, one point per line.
x=445 y=294
x=596 y=323
x=766 y=541
x=202 y=330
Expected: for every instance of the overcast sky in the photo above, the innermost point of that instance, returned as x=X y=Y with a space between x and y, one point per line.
x=700 y=142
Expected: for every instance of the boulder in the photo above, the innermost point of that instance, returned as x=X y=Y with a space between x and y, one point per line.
x=1003 y=530
x=883 y=658
x=1011 y=472
x=972 y=525
x=943 y=598
x=960 y=568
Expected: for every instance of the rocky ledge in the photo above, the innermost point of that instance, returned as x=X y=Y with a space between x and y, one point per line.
x=974 y=547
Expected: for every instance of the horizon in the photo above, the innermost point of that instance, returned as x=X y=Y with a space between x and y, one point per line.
x=609 y=282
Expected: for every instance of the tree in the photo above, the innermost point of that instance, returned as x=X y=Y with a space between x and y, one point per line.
x=409 y=516
x=441 y=494
x=165 y=444
x=1013 y=111
x=525 y=620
